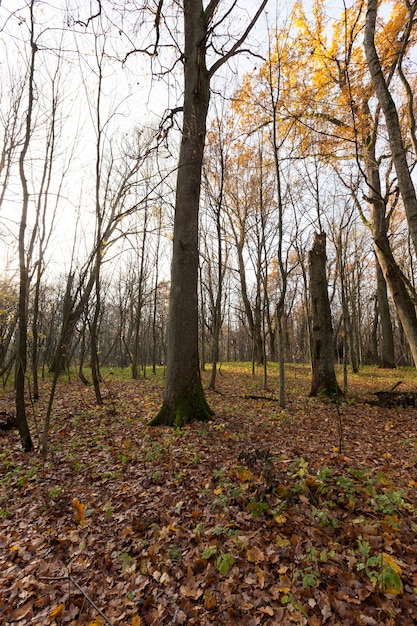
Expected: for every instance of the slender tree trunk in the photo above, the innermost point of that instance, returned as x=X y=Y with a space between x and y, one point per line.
x=324 y=376
x=281 y=356
x=155 y=293
x=95 y=363
x=21 y=351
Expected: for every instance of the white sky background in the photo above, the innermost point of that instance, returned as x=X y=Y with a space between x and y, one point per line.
x=129 y=90
x=131 y=98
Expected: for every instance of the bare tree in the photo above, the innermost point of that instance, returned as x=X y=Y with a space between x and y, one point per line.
x=21 y=351
x=184 y=398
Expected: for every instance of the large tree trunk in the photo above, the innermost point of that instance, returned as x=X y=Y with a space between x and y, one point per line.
x=184 y=398
x=399 y=154
x=391 y=272
x=324 y=377
x=387 y=352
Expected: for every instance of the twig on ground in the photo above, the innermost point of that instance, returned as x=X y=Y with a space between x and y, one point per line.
x=81 y=590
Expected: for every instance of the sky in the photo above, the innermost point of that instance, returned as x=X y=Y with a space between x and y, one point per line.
x=67 y=68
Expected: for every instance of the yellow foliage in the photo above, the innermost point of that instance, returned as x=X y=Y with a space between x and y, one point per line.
x=387 y=559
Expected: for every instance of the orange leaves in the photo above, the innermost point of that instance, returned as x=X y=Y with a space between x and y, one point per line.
x=79 y=511
x=56 y=612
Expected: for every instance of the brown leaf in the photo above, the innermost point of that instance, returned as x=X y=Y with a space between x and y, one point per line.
x=210 y=601
x=255 y=555
x=23 y=611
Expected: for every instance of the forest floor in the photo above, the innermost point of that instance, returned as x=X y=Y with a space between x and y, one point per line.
x=254 y=518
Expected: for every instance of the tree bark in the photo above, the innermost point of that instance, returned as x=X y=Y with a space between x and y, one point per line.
x=387 y=353
x=388 y=106
x=391 y=272
x=324 y=380
x=184 y=398
x=21 y=350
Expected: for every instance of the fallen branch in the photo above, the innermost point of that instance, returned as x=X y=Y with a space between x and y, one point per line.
x=251 y=397
x=69 y=578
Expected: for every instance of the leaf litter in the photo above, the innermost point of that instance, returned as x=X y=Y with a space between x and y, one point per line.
x=256 y=517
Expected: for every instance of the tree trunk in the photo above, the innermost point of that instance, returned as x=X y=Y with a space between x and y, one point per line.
x=184 y=398
x=391 y=272
x=387 y=353
x=399 y=154
x=21 y=349
x=324 y=377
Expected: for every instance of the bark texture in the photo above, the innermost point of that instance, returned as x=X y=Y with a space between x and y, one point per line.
x=184 y=397
x=324 y=380
x=386 y=101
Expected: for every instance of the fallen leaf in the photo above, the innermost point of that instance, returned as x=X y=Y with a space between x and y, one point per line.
x=23 y=611
x=210 y=601
x=56 y=612
x=255 y=555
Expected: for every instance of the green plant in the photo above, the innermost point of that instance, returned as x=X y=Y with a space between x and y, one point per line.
x=55 y=492
x=222 y=530
x=324 y=518
x=289 y=598
x=257 y=507
x=370 y=565
x=108 y=509
x=220 y=475
x=309 y=576
x=223 y=563
x=221 y=500
x=388 y=502
x=128 y=563
x=156 y=452
x=323 y=479
x=174 y=553
x=381 y=569
x=299 y=468
x=208 y=552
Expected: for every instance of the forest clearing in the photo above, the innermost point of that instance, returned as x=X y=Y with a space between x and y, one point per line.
x=255 y=517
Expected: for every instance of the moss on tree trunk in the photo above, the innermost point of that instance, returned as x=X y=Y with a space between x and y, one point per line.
x=191 y=405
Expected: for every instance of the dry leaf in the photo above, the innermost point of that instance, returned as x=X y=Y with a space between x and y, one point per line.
x=255 y=555
x=23 y=611
x=266 y=609
x=79 y=511
x=261 y=577
x=57 y=611
x=210 y=601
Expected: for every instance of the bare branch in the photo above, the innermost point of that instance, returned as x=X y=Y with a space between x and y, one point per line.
x=235 y=48
x=91 y=18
